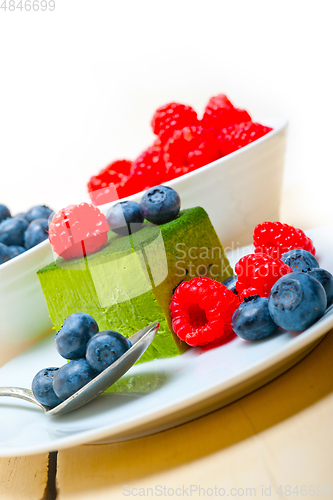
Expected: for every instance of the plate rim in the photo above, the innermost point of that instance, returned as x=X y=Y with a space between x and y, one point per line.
x=299 y=343
x=85 y=437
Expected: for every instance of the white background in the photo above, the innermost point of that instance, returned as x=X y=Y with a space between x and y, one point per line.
x=78 y=87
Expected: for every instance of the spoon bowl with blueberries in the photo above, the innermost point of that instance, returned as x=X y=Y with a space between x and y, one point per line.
x=95 y=361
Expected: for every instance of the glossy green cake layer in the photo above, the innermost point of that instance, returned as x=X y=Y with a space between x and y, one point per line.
x=130 y=282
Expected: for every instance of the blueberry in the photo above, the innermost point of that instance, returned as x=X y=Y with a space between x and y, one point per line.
x=72 y=339
x=296 y=301
x=21 y=215
x=300 y=260
x=105 y=348
x=251 y=320
x=160 y=204
x=12 y=232
x=125 y=217
x=230 y=283
x=326 y=279
x=36 y=232
x=16 y=250
x=42 y=387
x=4 y=212
x=5 y=253
x=71 y=377
x=38 y=212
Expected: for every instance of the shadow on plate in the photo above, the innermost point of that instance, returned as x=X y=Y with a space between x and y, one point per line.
x=123 y=392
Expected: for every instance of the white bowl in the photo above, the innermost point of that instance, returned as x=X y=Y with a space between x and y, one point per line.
x=23 y=311
x=238 y=191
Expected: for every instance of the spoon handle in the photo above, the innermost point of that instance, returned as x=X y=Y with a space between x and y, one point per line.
x=19 y=392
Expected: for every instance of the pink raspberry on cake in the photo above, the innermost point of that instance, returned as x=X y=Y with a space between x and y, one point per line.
x=78 y=230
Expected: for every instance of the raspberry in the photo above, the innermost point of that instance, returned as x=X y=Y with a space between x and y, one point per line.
x=132 y=184
x=175 y=171
x=171 y=117
x=275 y=239
x=217 y=102
x=257 y=273
x=189 y=149
x=220 y=113
x=239 y=135
x=114 y=174
x=150 y=167
x=201 y=311
x=78 y=230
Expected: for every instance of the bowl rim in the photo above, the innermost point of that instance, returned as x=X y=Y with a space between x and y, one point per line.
x=278 y=124
x=25 y=255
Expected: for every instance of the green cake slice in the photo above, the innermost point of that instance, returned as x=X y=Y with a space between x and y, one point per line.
x=129 y=283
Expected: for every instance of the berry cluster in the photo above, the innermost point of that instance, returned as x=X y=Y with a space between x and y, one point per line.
x=22 y=231
x=279 y=286
x=295 y=301
x=183 y=143
x=89 y=352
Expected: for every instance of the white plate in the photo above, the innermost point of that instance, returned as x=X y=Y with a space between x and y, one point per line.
x=172 y=391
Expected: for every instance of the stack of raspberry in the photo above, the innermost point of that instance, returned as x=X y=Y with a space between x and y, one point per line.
x=183 y=143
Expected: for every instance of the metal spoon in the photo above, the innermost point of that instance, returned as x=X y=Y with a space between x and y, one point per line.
x=140 y=341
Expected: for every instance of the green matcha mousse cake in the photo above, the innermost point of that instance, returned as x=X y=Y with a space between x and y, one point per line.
x=129 y=283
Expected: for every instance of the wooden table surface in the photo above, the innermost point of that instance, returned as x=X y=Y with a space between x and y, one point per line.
x=276 y=439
